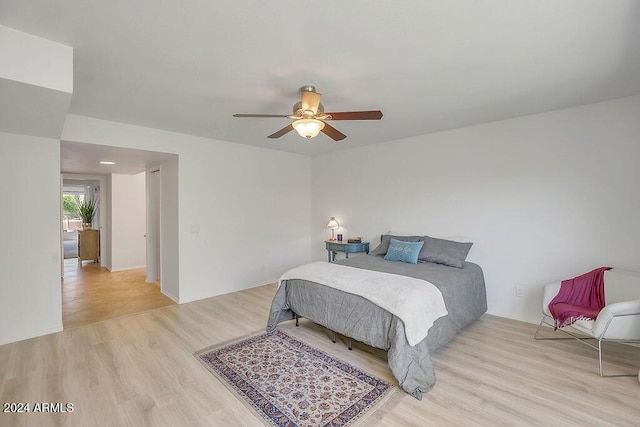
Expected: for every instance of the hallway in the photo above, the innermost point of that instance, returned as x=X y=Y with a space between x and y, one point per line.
x=90 y=293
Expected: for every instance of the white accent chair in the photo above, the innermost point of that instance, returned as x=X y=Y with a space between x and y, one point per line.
x=618 y=321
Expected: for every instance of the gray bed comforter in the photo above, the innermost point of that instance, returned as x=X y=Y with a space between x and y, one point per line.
x=464 y=295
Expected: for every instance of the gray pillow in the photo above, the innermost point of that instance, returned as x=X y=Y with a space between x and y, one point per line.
x=385 y=239
x=447 y=252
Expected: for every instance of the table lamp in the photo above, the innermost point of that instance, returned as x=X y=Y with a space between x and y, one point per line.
x=333 y=225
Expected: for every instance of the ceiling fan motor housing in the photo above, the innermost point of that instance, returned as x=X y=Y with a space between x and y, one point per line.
x=308 y=88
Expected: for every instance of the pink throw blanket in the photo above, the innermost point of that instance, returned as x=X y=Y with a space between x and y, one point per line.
x=579 y=298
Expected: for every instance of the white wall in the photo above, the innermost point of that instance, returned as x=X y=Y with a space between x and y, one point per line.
x=106 y=226
x=243 y=211
x=35 y=61
x=152 y=226
x=128 y=227
x=30 y=296
x=170 y=236
x=36 y=83
x=542 y=197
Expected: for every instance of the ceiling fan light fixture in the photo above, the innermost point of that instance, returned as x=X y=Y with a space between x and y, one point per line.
x=308 y=128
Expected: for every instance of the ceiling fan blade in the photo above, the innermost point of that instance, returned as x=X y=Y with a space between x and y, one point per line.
x=332 y=132
x=285 y=130
x=261 y=115
x=356 y=115
x=311 y=101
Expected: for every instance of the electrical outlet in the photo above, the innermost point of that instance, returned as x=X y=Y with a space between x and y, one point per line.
x=519 y=292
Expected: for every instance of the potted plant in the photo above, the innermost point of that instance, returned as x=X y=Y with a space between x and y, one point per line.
x=87 y=211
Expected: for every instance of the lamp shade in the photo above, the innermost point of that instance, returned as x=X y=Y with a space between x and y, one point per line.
x=333 y=224
x=308 y=128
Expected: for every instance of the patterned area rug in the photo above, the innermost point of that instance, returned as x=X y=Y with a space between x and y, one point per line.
x=290 y=383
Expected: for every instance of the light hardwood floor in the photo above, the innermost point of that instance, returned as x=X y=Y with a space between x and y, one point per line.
x=140 y=370
x=91 y=293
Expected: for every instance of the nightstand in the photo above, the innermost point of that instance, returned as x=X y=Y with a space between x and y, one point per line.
x=334 y=246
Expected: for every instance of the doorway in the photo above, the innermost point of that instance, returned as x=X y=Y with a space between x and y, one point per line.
x=109 y=288
x=74 y=192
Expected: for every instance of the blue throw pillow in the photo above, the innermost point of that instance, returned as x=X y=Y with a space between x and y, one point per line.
x=403 y=251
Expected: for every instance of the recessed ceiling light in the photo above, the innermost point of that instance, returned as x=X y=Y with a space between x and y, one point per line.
x=105 y=162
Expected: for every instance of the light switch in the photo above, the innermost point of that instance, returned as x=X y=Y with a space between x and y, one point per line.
x=195 y=228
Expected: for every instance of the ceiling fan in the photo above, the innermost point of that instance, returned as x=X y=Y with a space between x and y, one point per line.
x=310 y=118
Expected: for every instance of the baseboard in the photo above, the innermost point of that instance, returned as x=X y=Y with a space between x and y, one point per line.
x=115 y=270
x=168 y=295
x=34 y=335
x=272 y=282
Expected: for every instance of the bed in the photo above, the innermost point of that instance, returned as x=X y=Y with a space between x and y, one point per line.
x=463 y=292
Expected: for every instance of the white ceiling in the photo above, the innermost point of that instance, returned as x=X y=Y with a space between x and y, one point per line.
x=79 y=158
x=189 y=65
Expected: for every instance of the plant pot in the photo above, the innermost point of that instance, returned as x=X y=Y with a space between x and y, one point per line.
x=86 y=226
